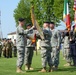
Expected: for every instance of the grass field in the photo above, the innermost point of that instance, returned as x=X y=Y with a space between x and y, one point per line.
x=8 y=67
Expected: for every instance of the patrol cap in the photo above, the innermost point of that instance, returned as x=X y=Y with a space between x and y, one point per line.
x=21 y=19
x=52 y=23
x=46 y=22
x=29 y=24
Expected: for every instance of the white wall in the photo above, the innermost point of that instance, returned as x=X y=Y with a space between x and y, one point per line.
x=13 y=36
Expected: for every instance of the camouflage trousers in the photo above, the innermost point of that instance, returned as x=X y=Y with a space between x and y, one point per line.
x=4 y=51
x=8 y=52
x=67 y=55
x=55 y=56
x=0 y=51
x=15 y=51
x=63 y=52
x=73 y=53
x=20 y=56
x=29 y=51
x=46 y=56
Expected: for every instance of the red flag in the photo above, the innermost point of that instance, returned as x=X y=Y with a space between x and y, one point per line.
x=68 y=19
x=66 y=15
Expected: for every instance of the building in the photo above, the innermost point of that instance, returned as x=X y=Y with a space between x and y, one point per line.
x=12 y=36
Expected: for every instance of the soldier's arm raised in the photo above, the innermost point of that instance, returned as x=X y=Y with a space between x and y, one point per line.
x=27 y=30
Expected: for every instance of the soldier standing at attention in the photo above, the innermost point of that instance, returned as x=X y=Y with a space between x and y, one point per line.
x=67 y=48
x=15 y=48
x=46 y=47
x=20 y=43
x=55 y=44
x=4 y=47
x=11 y=46
x=8 y=45
x=73 y=45
x=62 y=43
x=0 y=48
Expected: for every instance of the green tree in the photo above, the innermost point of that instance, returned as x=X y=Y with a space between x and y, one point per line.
x=22 y=10
x=45 y=10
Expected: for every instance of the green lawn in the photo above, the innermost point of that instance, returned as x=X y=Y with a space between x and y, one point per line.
x=8 y=67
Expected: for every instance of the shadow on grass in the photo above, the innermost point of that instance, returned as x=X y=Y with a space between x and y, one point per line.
x=35 y=70
x=70 y=69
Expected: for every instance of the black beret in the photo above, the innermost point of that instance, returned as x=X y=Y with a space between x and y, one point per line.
x=21 y=19
x=47 y=22
x=51 y=22
x=29 y=24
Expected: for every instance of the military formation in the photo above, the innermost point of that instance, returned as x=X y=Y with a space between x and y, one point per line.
x=69 y=47
x=50 y=45
x=8 y=48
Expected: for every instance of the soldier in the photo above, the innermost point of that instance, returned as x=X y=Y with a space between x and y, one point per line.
x=72 y=45
x=55 y=44
x=10 y=51
x=0 y=48
x=67 y=48
x=8 y=47
x=4 y=47
x=20 y=42
x=30 y=47
x=15 y=48
x=46 y=47
x=62 y=43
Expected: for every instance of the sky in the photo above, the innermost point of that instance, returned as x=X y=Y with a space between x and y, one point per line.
x=8 y=24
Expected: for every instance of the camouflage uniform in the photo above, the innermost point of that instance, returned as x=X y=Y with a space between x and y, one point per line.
x=67 y=48
x=4 y=48
x=8 y=47
x=73 y=46
x=0 y=49
x=20 y=42
x=55 y=44
x=46 y=48
x=11 y=46
x=62 y=43
x=15 y=49
x=29 y=49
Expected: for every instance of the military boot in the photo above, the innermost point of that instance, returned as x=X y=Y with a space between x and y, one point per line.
x=43 y=70
x=51 y=69
x=19 y=70
x=67 y=64
x=55 y=68
x=27 y=67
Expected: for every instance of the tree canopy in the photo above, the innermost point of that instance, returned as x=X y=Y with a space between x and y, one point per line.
x=45 y=10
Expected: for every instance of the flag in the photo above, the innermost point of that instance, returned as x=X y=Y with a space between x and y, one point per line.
x=65 y=11
x=75 y=28
x=66 y=15
x=75 y=17
x=74 y=8
x=35 y=23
